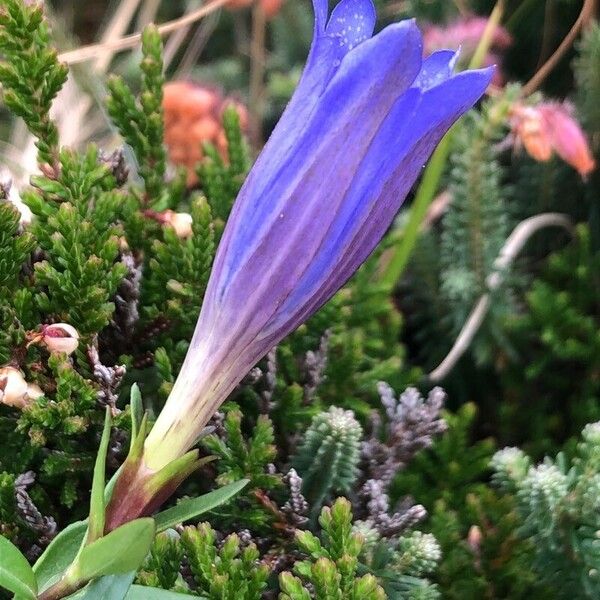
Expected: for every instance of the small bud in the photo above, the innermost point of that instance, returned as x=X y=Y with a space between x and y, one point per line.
x=60 y=338
x=176 y=287
x=180 y=222
x=13 y=388
x=474 y=538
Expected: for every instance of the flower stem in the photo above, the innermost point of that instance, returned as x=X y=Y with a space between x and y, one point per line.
x=434 y=171
x=418 y=210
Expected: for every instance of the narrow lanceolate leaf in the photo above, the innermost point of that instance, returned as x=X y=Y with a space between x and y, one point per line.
x=15 y=573
x=117 y=553
x=59 y=554
x=97 y=506
x=193 y=507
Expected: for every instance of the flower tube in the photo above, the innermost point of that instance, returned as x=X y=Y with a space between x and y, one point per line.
x=367 y=114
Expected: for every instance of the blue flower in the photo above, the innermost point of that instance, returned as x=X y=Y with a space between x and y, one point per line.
x=367 y=114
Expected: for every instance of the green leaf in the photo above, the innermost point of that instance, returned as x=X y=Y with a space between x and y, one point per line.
x=140 y=592
x=119 y=552
x=113 y=587
x=191 y=508
x=15 y=573
x=97 y=507
x=59 y=554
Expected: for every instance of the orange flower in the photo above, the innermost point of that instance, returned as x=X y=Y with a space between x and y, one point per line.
x=270 y=7
x=193 y=115
x=568 y=138
x=551 y=127
x=529 y=129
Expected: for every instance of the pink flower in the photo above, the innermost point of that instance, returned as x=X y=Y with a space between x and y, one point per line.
x=551 y=127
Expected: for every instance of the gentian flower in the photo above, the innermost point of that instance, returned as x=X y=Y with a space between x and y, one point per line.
x=366 y=116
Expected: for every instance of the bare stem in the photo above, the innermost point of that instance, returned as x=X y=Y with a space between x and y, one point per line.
x=61 y=589
x=257 y=68
x=513 y=245
x=587 y=12
x=92 y=51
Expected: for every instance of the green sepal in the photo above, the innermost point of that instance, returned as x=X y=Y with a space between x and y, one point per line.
x=178 y=469
x=136 y=448
x=61 y=552
x=136 y=409
x=97 y=506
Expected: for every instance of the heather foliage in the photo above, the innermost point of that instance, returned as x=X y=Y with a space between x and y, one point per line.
x=336 y=468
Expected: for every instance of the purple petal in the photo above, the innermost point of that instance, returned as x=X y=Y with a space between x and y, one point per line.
x=352 y=22
x=346 y=114
x=332 y=41
x=321 y=8
x=436 y=68
x=379 y=188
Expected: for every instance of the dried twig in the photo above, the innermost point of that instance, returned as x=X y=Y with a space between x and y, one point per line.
x=93 y=51
x=587 y=12
x=257 y=68
x=116 y=28
x=197 y=44
x=513 y=245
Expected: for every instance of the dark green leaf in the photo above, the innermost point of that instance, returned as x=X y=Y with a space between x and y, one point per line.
x=59 y=554
x=121 y=551
x=15 y=573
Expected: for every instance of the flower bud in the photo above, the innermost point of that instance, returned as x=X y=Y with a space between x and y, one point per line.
x=60 y=338
x=180 y=222
x=34 y=391
x=568 y=137
x=13 y=387
x=474 y=538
